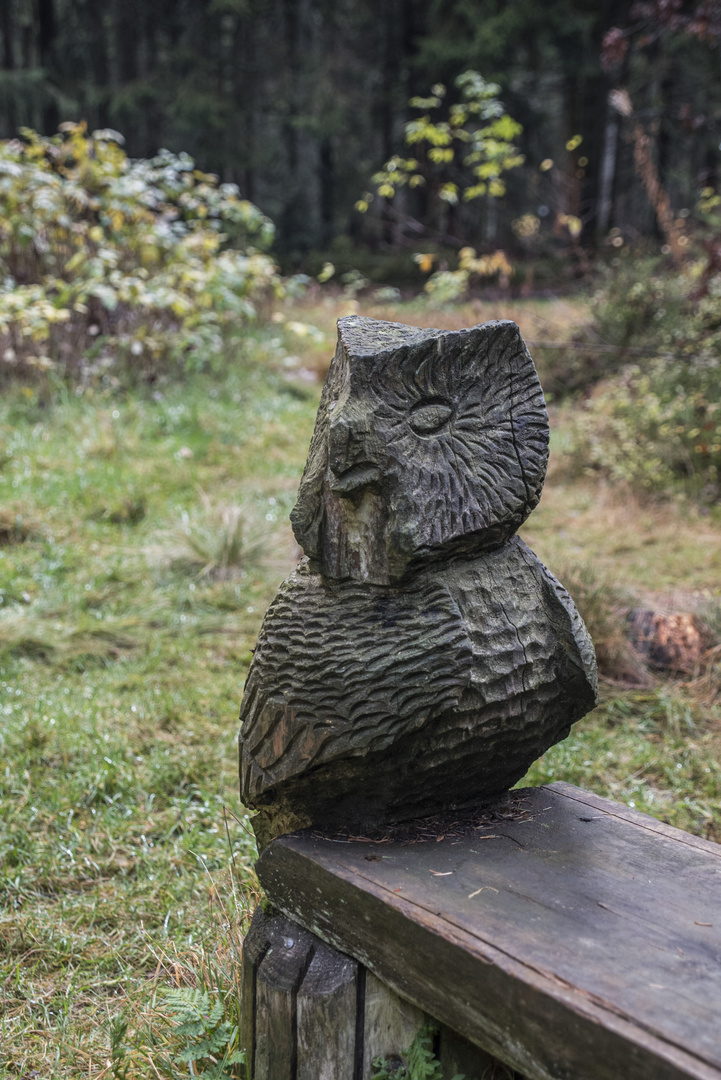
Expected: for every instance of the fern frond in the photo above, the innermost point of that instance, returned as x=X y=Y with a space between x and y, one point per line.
x=188 y=1003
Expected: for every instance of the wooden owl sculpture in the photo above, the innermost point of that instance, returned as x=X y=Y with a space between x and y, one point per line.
x=420 y=657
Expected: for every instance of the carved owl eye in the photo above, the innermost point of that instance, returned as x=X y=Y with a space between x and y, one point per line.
x=427 y=417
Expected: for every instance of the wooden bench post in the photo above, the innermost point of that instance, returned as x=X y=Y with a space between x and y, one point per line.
x=310 y=1012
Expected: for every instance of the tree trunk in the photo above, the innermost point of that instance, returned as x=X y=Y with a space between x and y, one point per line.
x=126 y=33
x=289 y=216
x=572 y=123
x=99 y=61
x=246 y=91
x=8 y=62
x=325 y=166
x=47 y=29
x=608 y=170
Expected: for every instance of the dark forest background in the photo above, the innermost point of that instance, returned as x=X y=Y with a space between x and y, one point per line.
x=300 y=101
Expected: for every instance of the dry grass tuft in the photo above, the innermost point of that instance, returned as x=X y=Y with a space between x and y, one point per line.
x=28 y=633
x=216 y=541
x=16 y=526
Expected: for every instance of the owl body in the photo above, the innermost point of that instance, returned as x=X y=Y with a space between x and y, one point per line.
x=421 y=657
x=369 y=704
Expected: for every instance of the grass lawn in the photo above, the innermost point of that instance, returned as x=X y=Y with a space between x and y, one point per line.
x=142 y=535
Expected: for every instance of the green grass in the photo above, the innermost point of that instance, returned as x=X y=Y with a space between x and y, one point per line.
x=121 y=673
x=131 y=591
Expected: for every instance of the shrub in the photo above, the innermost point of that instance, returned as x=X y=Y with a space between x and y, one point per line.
x=447 y=286
x=604 y=609
x=105 y=261
x=641 y=302
x=656 y=424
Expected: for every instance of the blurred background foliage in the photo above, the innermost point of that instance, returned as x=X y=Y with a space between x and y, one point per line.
x=191 y=193
x=110 y=262
x=300 y=102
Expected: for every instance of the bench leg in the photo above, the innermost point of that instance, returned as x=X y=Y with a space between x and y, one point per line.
x=309 y=1012
x=299 y=1004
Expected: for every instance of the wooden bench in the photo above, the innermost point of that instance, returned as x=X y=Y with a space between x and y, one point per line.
x=566 y=936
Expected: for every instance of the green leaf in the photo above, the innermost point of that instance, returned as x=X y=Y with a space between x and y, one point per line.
x=506 y=128
x=479 y=120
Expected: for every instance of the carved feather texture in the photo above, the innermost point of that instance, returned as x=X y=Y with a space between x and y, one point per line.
x=344 y=670
x=450 y=686
x=423 y=657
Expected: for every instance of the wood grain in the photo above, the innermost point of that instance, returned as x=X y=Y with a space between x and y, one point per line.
x=582 y=942
x=278 y=978
x=390 y=1024
x=365 y=704
x=327 y=1007
x=427 y=443
x=255 y=945
x=310 y=1012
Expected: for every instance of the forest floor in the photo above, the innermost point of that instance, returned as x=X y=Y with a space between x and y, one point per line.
x=142 y=536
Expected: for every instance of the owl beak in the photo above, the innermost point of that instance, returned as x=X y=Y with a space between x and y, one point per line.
x=355 y=480
x=351 y=471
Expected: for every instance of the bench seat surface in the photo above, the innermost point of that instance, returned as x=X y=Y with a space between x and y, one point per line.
x=570 y=936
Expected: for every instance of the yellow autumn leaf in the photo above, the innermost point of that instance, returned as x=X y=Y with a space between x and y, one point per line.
x=425 y=261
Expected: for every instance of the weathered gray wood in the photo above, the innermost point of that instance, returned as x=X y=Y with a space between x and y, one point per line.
x=390 y=1024
x=573 y=939
x=278 y=978
x=310 y=1012
x=421 y=657
x=427 y=443
x=255 y=945
x=328 y=1017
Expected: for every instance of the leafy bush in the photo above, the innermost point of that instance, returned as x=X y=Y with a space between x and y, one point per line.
x=464 y=148
x=604 y=608
x=640 y=302
x=448 y=286
x=656 y=424
x=105 y=261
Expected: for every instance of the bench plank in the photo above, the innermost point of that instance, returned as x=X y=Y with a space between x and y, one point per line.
x=576 y=939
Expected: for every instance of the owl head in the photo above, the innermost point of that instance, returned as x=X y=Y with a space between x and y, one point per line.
x=428 y=444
